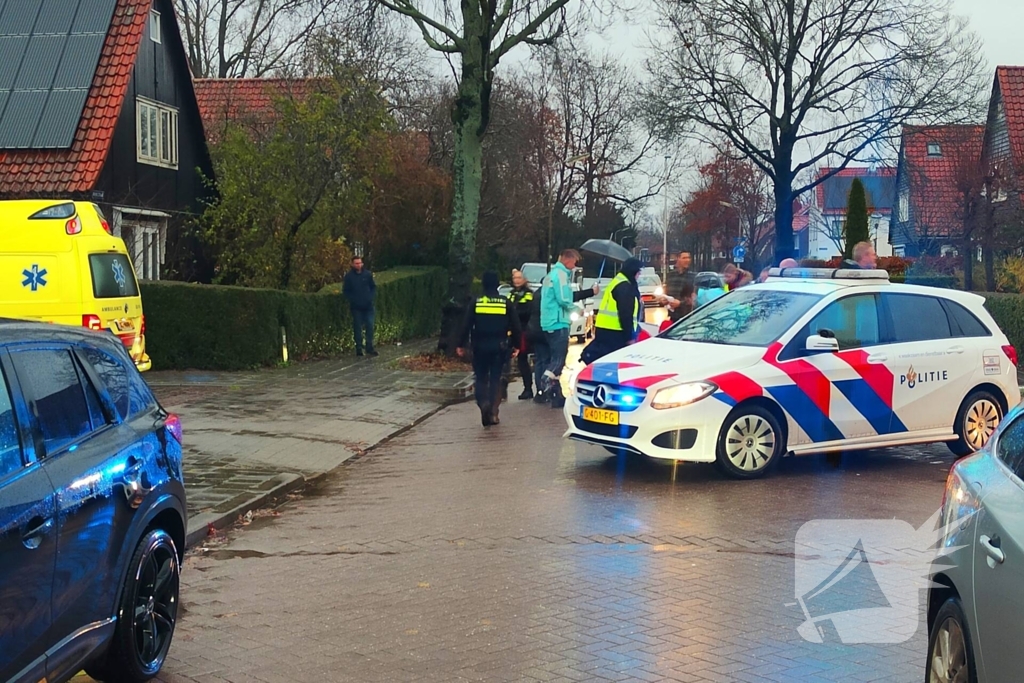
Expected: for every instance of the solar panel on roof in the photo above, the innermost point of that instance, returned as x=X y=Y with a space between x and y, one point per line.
x=49 y=50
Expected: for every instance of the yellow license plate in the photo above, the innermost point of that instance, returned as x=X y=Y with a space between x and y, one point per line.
x=605 y=417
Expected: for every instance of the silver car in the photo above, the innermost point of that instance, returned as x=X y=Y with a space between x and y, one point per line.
x=976 y=610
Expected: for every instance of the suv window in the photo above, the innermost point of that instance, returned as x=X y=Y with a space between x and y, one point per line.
x=917 y=318
x=114 y=377
x=853 y=319
x=964 y=323
x=1010 y=448
x=10 y=442
x=50 y=381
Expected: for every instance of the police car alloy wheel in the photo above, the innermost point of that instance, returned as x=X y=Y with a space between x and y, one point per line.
x=751 y=441
x=976 y=420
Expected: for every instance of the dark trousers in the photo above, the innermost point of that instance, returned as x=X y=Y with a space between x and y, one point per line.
x=525 y=371
x=541 y=360
x=363 y=319
x=487 y=368
x=558 y=345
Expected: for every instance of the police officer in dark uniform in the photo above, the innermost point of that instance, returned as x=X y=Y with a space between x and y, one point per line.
x=494 y=325
x=522 y=297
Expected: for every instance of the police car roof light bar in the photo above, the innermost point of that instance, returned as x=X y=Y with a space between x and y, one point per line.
x=828 y=274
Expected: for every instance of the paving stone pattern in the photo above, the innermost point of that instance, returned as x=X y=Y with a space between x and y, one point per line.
x=244 y=429
x=454 y=553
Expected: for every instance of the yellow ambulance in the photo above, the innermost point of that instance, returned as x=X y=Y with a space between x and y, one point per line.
x=60 y=263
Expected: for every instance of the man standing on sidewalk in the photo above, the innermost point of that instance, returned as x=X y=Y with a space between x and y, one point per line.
x=679 y=287
x=360 y=290
x=521 y=297
x=556 y=305
x=494 y=325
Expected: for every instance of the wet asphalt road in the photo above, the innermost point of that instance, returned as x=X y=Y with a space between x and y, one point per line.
x=456 y=553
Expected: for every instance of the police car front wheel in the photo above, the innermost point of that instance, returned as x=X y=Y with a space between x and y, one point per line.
x=751 y=441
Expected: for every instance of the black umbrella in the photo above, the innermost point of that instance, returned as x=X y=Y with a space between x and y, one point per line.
x=607 y=249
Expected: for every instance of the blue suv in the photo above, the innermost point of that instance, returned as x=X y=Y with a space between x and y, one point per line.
x=92 y=509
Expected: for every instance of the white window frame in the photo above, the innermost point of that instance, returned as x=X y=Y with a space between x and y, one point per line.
x=934 y=149
x=154 y=26
x=159 y=148
x=904 y=207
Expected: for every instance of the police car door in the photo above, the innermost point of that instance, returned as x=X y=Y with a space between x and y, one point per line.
x=932 y=368
x=847 y=395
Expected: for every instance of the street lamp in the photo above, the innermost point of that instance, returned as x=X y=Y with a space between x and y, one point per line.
x=551 y=202
x=664 y=232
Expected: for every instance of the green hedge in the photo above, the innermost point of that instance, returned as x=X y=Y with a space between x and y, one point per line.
x=209 y=327
x=944 y=281
x=1008 y=311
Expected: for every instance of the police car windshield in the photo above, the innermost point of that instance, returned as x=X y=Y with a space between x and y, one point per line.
x=754 y=316
x=649 y=281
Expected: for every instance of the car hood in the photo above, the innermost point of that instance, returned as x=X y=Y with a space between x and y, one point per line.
x=661 y=362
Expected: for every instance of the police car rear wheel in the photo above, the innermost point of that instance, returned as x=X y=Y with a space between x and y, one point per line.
x=750 y=442
x=977 y=419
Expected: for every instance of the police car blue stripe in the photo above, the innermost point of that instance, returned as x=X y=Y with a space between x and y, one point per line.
x=606 y=373
x=869 y=404
x=806 y=413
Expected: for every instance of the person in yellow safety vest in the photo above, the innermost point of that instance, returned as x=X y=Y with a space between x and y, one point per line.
x=494 y=325
x=522 y=297
x=617 y=322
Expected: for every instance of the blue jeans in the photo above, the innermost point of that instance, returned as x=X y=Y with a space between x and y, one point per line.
x=541 y=360
x=363 y=319
x=558 y=348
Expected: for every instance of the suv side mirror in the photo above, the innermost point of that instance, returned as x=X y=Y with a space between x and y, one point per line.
x=823 y=342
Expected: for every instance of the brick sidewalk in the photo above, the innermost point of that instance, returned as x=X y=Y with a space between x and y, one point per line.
x=254 y=436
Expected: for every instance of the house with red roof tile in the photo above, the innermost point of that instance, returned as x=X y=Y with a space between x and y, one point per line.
x=823 y=236
x=97 y=103
x=1003 y=148
x=249 y=102
x=939 y=181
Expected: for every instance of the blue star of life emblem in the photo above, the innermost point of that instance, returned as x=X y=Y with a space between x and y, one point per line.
x=34 y=278
x=119 y=277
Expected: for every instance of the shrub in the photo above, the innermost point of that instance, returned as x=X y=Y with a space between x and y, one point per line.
x=210 y=327
x=1008 y=311
x=855 y=229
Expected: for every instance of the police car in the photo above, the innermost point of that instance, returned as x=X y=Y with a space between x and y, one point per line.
x=812 y=360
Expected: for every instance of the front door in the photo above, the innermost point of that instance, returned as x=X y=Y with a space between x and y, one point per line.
x=28 y=550
x=86 y=465
x=845 y=396
x=999 y=563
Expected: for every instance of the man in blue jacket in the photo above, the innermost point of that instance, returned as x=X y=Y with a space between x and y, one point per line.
x=557 y=303
x=360 y=290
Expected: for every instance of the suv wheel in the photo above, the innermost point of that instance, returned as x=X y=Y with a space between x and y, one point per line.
x=750 y=442
x=977 y=419
x=950 y=652
x=148 y=613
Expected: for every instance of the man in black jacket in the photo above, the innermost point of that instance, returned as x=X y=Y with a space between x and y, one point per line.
x=617 y=322
x=494 y=325
x=522 y=298
x=360 y=290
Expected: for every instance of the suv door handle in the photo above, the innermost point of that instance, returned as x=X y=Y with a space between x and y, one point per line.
x=878 y=358
x=991 y=545
x=955 y=349
x=32 y=533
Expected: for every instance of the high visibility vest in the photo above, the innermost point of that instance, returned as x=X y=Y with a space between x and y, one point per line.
x=520 y=297
x=608 y=312
x=489 y=305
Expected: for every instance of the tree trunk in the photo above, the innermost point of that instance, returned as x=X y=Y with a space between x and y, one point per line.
x=990 y=271
x=783 y=216
x=968 y=265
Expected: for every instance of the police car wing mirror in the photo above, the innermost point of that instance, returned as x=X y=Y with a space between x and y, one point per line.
x=823 y=342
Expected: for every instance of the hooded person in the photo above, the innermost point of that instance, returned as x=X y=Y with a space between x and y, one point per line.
x=493 y=323
x=617 y=322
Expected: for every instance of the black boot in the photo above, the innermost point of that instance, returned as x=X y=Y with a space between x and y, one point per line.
x=557 y=399
x=485 y=414
x=527 y=394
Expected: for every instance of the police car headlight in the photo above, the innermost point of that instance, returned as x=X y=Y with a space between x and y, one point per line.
x=574 y=317
x=659 y=291
x=682 y=395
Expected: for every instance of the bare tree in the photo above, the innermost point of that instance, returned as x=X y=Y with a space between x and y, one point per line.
x=248 y=38
x=479 y=33
x=795 y=84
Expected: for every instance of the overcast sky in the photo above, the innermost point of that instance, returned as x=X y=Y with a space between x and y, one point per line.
x=999 y=24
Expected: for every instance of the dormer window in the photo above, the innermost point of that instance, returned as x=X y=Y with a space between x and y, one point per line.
x=154 y=26
x=934 y=149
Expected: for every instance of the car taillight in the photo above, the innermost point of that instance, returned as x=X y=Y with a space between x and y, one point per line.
x=142 y=326
x=73 y=226
x=1011 y=353
x=173 y=426
x=106 y=226
x=93 y=322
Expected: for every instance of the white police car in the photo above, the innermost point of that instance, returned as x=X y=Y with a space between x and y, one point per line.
x=812 y=360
